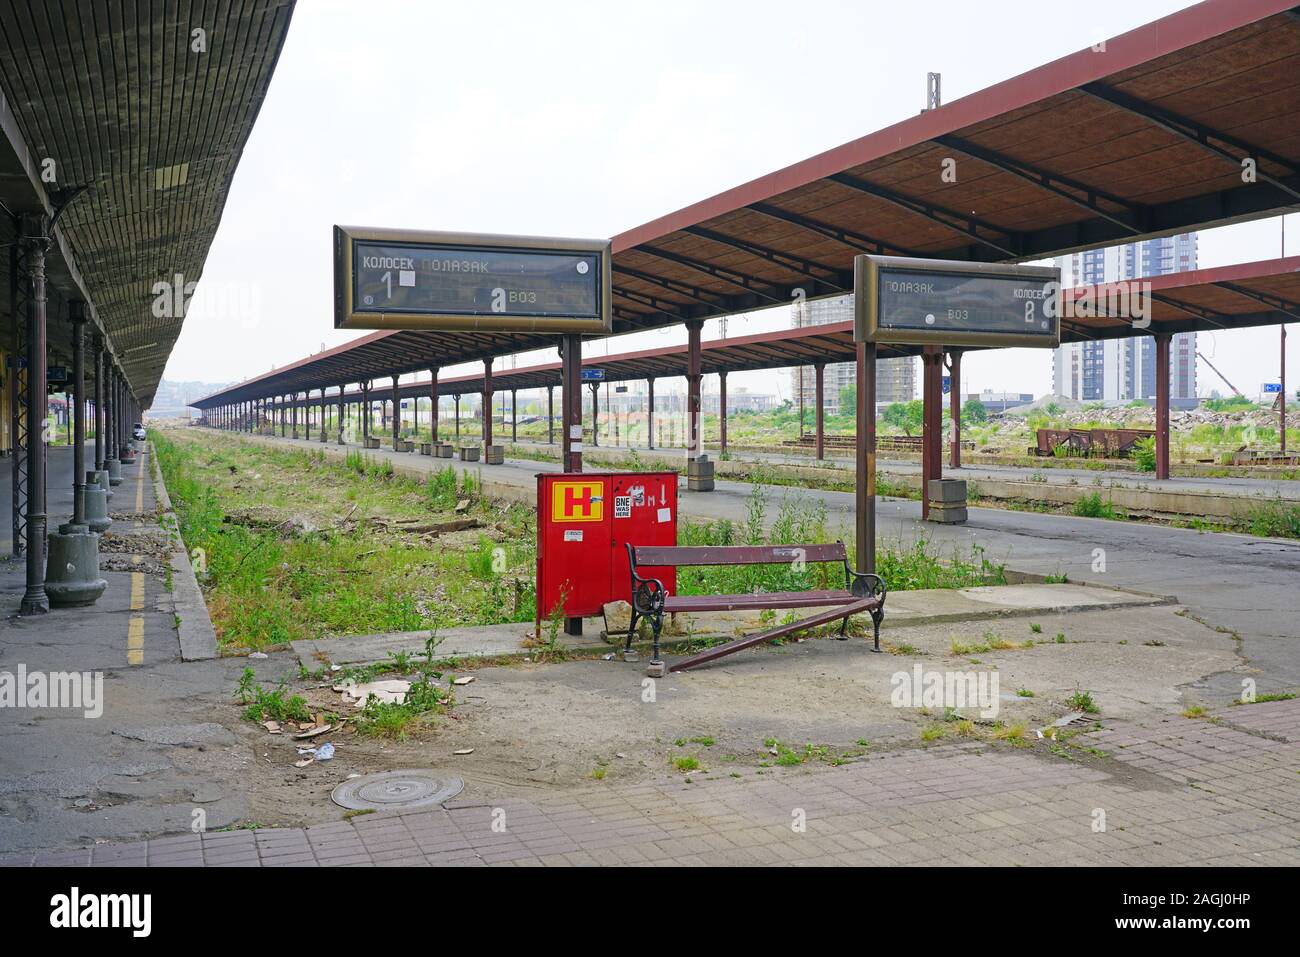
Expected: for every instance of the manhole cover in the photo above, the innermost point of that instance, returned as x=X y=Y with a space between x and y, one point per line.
x=396 y=790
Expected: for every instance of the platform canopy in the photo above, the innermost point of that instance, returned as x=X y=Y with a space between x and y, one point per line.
x=1202 y=300
x=1141 y=137
x=128 y=103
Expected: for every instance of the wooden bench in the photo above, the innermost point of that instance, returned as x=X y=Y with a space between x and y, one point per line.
x=863 y=592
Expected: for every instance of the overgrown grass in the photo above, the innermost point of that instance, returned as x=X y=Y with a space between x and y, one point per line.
x=1093 y=505
x=1274 y=519
x=803 y=522
x=313 y=563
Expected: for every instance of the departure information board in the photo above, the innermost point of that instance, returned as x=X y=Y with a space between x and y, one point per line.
x=388 y=279
x=939 y=302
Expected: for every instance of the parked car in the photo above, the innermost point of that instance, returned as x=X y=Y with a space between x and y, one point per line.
x=137 y=432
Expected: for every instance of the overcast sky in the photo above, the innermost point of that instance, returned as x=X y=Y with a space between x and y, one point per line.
x=585 y=119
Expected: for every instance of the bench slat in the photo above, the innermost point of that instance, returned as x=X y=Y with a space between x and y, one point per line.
x=821 y=618
x=782 y=599
x=680 y=555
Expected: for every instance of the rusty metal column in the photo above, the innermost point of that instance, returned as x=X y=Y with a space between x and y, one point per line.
x=1162 y=404
x=35 y=238
x=932 y=427
x=324 y=413
x=514 y=415
x=650 y=414
x=865 y=484
x=365 y=412
x=693 y=378
x=457 y=397
x=487 y=405
x=1281 y=399
x=722 y=412
x=819 y=370
x=595 y=412
x=571 y=402
x=550 y=415
x=433 y=404
x=342 y=413
x=954 y=406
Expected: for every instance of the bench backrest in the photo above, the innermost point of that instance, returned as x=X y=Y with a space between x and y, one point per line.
x=683 y=555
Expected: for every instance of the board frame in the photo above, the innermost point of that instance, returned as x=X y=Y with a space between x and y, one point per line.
x=867 y=270
x=348 y=316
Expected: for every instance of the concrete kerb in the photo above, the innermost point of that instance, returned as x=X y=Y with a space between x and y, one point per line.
x=502 y=643
x=198 y=639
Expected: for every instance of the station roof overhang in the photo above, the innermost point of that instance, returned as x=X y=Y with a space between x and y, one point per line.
x=1142 y=136
x=127 y=110
x=1241 y=296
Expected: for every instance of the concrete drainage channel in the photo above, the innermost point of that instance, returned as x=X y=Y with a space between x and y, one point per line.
x=397 y=790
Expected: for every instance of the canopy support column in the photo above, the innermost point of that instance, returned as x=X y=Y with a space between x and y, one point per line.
x=650 y=413
x=571 y=402
x=487 y=405
x=865 y=486
x=99 y=404
x=35 y=240
x=1162 y=404
x=397 y=414
x=77 y=313
x=693 y=377
x=595 y=412
x=954 y=406
x=433 y=404
x=932 y=424
x=722 y=411
x=819 y=371
x=550 y=415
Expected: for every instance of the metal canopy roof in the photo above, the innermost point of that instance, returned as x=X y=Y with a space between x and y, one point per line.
x=1144 y=137
x=1203 y=300
x=1140 y=139
x=117 y=97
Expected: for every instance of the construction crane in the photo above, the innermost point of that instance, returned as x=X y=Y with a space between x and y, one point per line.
x=1201 y=356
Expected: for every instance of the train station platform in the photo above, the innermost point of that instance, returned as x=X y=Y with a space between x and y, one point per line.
x=1241 y=583
x=148 y=752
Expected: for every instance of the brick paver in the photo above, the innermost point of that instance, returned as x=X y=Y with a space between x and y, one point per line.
x=1173 y=791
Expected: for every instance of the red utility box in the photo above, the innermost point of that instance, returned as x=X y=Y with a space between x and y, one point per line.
x=585 y=521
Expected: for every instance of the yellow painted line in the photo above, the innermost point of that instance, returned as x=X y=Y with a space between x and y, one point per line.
x=139 y=493
x=135 y=629
x=135 y=642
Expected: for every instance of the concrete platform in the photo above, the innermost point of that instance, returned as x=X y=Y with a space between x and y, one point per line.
x=904 y=608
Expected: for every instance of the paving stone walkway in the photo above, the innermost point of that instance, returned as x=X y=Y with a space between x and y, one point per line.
x=1219 y=791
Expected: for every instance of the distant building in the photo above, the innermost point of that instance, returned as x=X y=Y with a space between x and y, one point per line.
x=1000 y=401
x=1121 y=370
x=895 y=378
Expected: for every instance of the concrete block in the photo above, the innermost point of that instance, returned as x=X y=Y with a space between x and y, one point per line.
x=948 y=491
x=469 y=453
x=494 y=454
x=443 y=450
x=947 y=514
x=426 y=448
